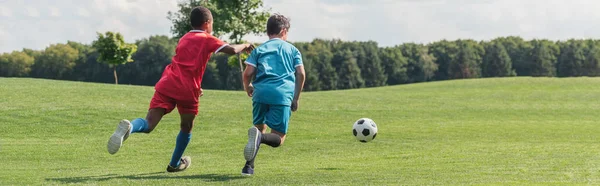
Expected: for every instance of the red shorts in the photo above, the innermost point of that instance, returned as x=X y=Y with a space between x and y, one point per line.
x=184 y=107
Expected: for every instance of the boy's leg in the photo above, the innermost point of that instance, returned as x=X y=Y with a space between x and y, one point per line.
x=148 y=124
x=254 y=136
x=187 y=112
x=277 y=119
x=160 y=105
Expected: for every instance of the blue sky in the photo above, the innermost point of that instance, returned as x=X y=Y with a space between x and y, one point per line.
x=39 y=23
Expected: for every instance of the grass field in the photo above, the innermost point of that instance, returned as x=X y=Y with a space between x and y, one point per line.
x=486 y=131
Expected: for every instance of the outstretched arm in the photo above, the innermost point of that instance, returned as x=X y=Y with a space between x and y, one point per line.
x=235 y=49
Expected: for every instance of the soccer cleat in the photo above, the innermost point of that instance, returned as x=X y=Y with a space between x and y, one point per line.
x=251 y=148
x=247 y=170
x=184 y=163
x=116 y=140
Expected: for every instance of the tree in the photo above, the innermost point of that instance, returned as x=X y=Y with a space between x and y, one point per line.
x=444 y=52
x=113 y=50
x=32 y=53
x=320 y=54
x=15 y=64
x=519 y=52
x=496 y=62
x=394 y=64
x=55 y=62
x=468 y=60
x=592 y=64
x=235 y=18
x=543 y=58
x=309 y=59
x=572 y=58
x=348 y=70
x=421 y=65
x=371 y=69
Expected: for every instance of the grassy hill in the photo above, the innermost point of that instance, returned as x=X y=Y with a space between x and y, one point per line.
x=480 y=131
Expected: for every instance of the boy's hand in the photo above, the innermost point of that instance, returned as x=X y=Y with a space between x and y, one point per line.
x=250 y=90
x=249 y=48
x=295 y=105
x=201 y=92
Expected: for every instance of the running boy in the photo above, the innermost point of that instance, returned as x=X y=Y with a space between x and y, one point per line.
x=180 y=85
x=278 y=73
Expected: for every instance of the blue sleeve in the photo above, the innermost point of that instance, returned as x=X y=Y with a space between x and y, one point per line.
x=297 y=58
x=252 y=60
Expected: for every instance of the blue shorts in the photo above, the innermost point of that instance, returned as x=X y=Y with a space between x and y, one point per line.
x=276 y=117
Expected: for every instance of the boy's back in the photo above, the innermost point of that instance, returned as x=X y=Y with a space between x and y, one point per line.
x=275 y=62
x=183 y=77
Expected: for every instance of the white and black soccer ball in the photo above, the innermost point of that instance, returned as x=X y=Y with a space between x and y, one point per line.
x=364 y=130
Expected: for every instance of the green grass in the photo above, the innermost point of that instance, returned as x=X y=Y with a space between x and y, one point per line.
x=486 y=131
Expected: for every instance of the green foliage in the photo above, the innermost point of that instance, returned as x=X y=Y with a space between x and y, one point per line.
x=496 y=61
x=467 y=62
x=394 y=64
x=113 y=50
x=421 y=65
x=15 y=64
x=233 y=18
x=55 y=62
x=371 y=67
x=572 y=58
x=543 y=58
x=444 y=52
x=234 y=61
x=592 y=64
x=519 y=52
x=312 y=82
x=326 y=60
x=32 y=53
x=321 y=54
x=349 y=74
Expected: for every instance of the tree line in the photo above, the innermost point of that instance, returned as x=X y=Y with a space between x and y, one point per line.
x=330 y=64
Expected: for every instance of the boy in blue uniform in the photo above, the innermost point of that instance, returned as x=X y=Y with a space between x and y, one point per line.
x=278 y=73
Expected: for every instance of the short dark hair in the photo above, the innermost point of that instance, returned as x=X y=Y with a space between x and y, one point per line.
x=276 y=23
x=199 y=16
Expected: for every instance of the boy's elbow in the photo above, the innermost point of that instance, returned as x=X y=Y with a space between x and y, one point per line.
x=300 y=75
x=247 y=74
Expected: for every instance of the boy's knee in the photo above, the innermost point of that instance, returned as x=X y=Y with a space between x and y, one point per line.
x=187 y=127
x=276 y=144
x=150 y=129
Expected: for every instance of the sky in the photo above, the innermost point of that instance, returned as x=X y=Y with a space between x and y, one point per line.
x=36 y=24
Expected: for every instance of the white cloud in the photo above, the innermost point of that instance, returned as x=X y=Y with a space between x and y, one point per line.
x=389 y=22
x=54 y=12
x=32 y=12
x=5 y=12
x=83 y=12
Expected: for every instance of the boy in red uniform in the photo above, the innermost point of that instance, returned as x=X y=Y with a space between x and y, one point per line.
x=180 y=85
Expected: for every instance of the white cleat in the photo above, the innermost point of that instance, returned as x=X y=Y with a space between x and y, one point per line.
x=116 y=140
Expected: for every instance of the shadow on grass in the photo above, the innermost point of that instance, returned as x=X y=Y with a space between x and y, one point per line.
x=146 y=176
x=329 y=169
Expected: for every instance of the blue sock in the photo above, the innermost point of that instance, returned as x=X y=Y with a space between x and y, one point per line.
x=139 y=125
x=182 y=141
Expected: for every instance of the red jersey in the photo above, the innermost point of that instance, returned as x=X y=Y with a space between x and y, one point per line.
x=182 y=79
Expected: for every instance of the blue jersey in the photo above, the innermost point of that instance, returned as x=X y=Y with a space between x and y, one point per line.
x=275 y=62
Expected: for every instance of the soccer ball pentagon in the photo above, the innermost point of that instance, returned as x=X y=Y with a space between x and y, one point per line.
x=364 y=130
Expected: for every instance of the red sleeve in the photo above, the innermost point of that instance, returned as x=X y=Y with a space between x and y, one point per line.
x=215 y=44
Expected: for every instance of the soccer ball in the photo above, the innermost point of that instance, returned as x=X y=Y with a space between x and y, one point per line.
x=364 y=130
